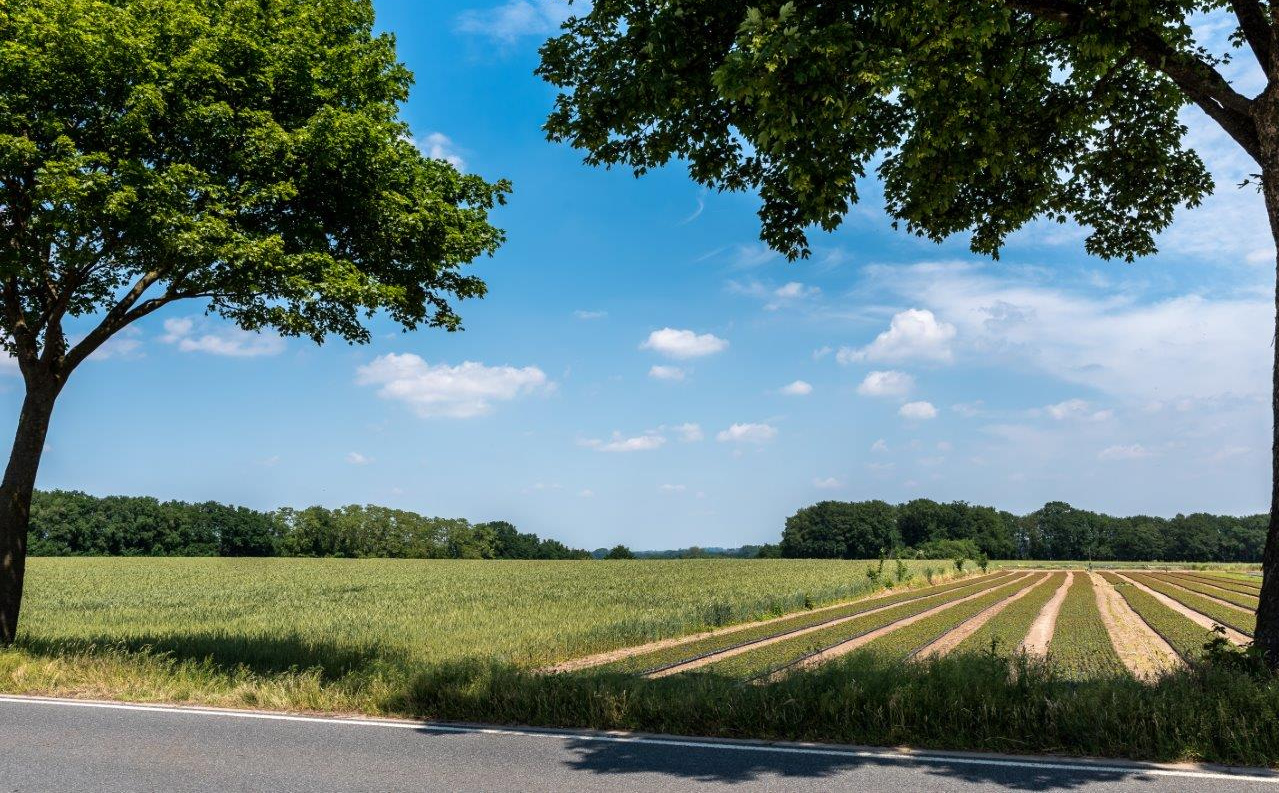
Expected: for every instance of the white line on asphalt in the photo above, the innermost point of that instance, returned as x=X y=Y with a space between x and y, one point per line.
x=907 y=755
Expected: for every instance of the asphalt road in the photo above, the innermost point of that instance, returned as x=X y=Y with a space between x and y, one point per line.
x=69 y=747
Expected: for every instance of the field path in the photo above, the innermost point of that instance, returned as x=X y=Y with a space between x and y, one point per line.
x=1196 y=617
x=1041 y=630
x=866 y=638
x=952 y=639
x=729 y=652
x=1172 y=583
x=1143 y=651
x=609 y=656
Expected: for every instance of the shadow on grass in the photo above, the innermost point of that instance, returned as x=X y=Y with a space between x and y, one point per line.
x=968 y=703
x=229 y=653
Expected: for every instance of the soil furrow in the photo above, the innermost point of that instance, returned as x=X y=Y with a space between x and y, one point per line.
x=1141 y=649
x=1041 y=631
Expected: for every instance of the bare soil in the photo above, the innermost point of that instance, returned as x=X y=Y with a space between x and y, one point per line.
x=1143 y=651
x=1041 y=630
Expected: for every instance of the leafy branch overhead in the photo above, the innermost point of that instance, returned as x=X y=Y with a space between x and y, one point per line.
x=978 y=117
x=248 y=154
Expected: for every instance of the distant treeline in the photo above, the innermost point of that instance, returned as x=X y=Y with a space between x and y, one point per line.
x=928 y=529
x=68 y=523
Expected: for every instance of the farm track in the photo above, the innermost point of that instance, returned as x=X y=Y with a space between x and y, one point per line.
x=1141 y=649
x=715 y=654
x=852 y=643
x=1198 y=617
x=1184 y=635
x=1238 y=587
x=948 y=641
x=1041 y=630
x=625 y=653
x=1245 y=602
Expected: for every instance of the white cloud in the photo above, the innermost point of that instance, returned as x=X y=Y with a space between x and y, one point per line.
x=126 y=345
x=822 y=352
x=797 y=388
x=747 y=433
x=587 y=493
x=775 y=297
x=1134 y=452
x=828 y=483
x=886 y=384
x=880 y=446
x=1228 y=452
x=658 y=372
x=1188 y=346
x=355 y=458
x=1076 y=410
x=689 y=433
x=918 y=411
x=683 y=344
x=225 y=340
x=647 y=442
x=515 y=19
x=588 y=315
x=463 y=391
x=439 y=146
x=914 y=334
x=672 y=488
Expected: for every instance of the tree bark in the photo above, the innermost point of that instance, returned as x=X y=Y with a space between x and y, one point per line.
x=15 y=502
x=1266 y=636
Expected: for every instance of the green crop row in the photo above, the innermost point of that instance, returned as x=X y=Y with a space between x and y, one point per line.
x=1246 y=601
x=687 y=651
x=762 y=661
x=1007 y=629
x=1081 y=645
x=1185 y=636
x=1242 y=587
x=1214 y=609
x=904 y=642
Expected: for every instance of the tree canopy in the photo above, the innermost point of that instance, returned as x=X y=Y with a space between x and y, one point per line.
x=977 y=117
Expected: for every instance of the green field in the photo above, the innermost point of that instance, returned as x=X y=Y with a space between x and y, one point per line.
x=471 y=640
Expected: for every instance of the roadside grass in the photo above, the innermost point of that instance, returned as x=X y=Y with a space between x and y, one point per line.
x=964 y=702
x=1241 y=621
x=1008 y=629
x=1081 y=644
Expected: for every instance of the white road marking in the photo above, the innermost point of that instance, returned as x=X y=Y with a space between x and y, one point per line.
x=903 y=755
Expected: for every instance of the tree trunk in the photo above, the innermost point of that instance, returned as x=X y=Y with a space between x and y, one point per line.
x=15 y=502
x=1266 y=636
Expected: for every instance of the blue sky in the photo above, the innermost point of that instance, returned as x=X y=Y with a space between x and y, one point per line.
x=645 y=371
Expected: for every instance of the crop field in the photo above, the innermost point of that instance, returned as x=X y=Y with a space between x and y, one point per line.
x=850 y=651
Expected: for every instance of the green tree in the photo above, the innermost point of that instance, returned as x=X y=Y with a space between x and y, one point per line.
x=245 y=155
x=619 y=552
x=978 y=117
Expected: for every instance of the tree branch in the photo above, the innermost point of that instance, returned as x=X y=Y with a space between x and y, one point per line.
x=114 y=320
x=1197 y=79
x=1256 y=29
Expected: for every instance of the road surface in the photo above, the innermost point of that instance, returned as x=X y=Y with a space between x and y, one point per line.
x=70 y=746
